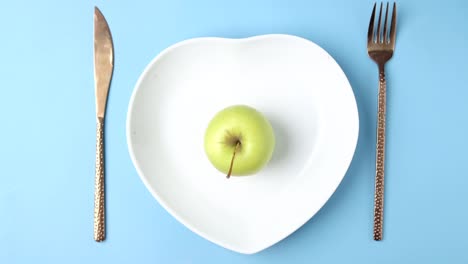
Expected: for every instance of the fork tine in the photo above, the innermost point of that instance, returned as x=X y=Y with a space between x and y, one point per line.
x=378 y=24
x=393 y=25
x=385 y=35
x=370 y=32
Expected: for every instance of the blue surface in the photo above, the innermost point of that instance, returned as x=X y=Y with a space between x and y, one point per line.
x=48 y=132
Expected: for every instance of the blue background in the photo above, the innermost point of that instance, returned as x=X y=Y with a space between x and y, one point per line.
x=47 y=133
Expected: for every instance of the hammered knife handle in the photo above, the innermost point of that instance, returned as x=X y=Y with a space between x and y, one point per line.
x=380 y=157
x=99 y=201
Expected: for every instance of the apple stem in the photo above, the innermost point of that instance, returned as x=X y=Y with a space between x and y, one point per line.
x=232 y=160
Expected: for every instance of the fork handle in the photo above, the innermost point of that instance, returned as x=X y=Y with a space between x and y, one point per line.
x=99 y=198
x=380 y=156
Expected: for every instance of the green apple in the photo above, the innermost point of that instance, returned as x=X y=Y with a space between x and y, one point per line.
x=239 y=141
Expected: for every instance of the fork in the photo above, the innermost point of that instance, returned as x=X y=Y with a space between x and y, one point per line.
x=380 y=46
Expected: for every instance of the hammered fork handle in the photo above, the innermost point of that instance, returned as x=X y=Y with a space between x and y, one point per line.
x=99 y=201
x=380 y=156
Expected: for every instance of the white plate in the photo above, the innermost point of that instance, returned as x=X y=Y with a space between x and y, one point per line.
x=300 y=89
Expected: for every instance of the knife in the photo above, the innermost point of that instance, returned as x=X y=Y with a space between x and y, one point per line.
x=103 y=68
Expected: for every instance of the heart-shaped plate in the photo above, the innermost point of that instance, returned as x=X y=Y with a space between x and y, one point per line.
x=296 y=84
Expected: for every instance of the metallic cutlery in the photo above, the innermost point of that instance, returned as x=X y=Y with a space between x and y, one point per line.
x=380 y=46
x=103 y=68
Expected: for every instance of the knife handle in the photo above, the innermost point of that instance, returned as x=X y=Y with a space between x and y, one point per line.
x=99 y=201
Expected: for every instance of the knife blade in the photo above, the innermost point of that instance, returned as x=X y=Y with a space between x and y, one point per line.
x=103 y=61
x=103 y=69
